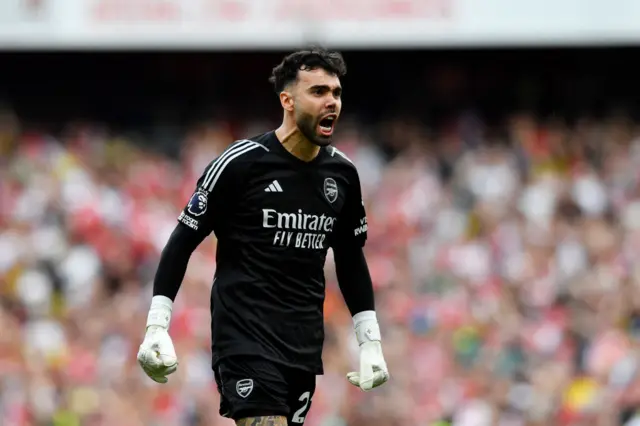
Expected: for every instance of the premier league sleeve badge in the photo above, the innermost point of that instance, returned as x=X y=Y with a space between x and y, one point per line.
x=198 y=203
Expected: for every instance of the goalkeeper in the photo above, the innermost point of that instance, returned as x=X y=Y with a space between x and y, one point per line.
x=276 y=202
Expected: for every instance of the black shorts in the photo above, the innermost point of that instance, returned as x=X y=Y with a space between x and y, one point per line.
x=256 y=387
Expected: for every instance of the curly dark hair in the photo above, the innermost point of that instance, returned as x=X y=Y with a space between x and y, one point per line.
x=309 y=59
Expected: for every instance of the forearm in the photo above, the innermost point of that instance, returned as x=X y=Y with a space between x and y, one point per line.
x=355 y=283
x=354 y=279
x=174 y=260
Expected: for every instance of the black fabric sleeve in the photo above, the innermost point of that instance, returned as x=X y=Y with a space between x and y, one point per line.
x=354 y=278
x=196 y=221
x=217 y=189
x=174 y=260
x=352 y=222
x=206 y=211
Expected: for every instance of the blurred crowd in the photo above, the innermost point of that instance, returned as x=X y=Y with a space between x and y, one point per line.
x=503 y=258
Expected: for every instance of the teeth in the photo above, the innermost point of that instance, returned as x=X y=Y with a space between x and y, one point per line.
x=328 y=127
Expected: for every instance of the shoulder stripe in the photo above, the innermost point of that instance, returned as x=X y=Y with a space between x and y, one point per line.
x=230 y=150
x=223 y=160
x=340 y=153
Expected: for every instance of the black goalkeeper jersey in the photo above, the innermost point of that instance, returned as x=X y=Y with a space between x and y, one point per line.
x=275 y=216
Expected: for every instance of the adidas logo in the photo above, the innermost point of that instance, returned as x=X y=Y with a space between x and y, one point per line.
x=274 y=187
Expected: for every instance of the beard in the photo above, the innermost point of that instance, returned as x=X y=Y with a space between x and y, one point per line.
x=308 y=126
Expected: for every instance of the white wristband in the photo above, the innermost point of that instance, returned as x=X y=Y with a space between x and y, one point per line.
x=160 y=312
x=366 y=326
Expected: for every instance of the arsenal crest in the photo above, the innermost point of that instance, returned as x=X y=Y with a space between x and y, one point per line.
x=244 y=387
x=330 y=190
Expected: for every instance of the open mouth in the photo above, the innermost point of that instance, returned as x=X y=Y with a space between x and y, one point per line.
x=326 y=125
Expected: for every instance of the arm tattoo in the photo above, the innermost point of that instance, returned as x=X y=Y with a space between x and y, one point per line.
x=263 y=421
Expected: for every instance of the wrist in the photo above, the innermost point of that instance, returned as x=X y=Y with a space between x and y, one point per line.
x=364 y=316
x=366 y=327
x=160 y=312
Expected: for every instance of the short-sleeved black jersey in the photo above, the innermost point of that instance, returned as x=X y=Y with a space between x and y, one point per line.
x=275 y=217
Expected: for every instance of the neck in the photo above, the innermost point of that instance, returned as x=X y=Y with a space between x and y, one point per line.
x=296 y=143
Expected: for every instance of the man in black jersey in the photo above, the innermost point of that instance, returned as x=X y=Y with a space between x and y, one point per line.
x=276 y=203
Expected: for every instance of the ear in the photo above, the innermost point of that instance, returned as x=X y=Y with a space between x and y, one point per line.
x=286 y=100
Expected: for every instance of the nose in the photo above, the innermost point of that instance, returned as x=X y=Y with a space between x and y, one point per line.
x=331 y=103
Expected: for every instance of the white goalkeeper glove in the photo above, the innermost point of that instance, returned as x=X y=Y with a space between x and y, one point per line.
x=373 y=368
x=156 y=355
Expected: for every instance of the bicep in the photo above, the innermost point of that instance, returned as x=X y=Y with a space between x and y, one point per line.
x=352 y=222
x=213 y=194
x=198 y=213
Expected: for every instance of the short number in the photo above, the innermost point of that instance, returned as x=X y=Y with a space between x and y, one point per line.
x=297 y=418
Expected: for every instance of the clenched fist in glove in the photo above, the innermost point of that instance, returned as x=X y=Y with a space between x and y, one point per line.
x=156 y=355
x=373 y=368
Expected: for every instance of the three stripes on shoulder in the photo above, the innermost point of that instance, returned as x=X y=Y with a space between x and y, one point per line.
x=235 y=150
x=335 y=150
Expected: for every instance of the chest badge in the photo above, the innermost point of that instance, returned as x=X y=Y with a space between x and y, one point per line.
x=330 y=190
